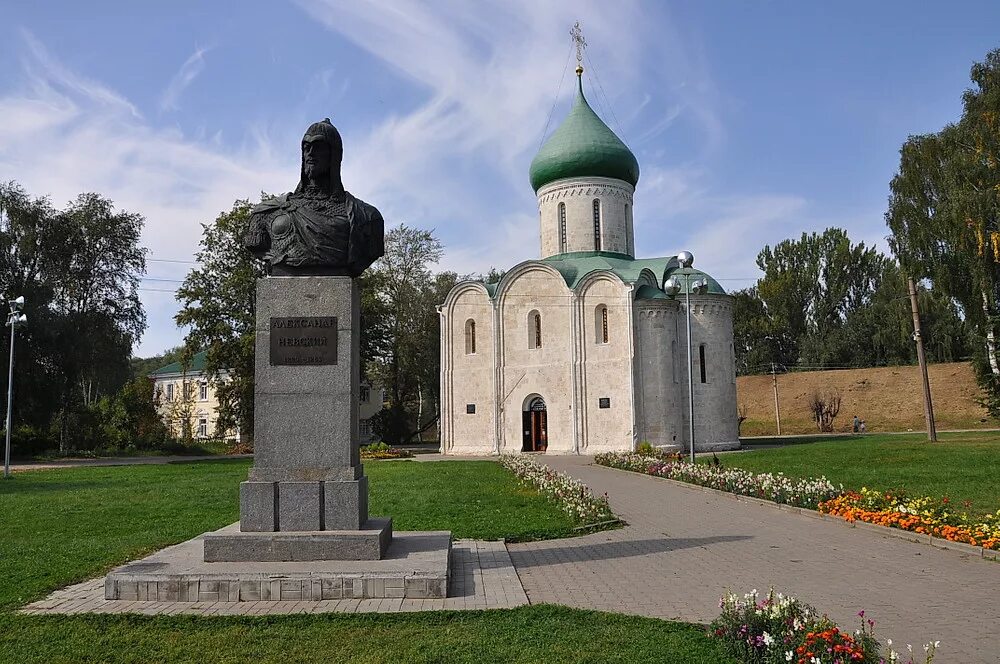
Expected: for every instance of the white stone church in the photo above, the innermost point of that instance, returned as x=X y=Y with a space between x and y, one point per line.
x=584 y=350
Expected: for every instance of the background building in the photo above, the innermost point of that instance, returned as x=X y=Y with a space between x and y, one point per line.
x=583 y=351
x=187 y=394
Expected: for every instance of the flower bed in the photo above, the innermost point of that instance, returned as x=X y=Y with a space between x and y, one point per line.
x=923 y=515
x=377 y=451
x=574 y=497
x=780 y=629
x=778 y=488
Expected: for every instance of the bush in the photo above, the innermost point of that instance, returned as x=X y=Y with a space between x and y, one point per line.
x=28 y=441
x=780 y=629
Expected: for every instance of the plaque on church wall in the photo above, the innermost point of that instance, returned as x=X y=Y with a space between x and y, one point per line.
x=470 y=408
x=303 y=340
x=604 y=402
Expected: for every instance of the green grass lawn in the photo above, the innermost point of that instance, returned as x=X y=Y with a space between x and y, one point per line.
x=527 y=634
x=62 y=526
x=962 y=466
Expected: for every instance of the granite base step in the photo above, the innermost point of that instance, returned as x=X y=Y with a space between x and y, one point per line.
x=368 y=543
x=415 y=566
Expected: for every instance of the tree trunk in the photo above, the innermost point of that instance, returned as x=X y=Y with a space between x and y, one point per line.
x=991 y=344
x=420 y=411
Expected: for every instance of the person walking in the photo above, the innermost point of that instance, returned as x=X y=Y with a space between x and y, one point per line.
x=857 y=424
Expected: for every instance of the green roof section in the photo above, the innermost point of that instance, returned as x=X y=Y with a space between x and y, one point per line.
x=583 y=146
x=647 y=292
x=196 y=365
x=714 y=286
x=576 y=265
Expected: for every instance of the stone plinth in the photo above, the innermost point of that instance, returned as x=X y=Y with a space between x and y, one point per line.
x=368 y=543
x=307 y=481
x=415 y=567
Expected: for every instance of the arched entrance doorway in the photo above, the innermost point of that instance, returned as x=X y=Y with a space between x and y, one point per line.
x=535 y=425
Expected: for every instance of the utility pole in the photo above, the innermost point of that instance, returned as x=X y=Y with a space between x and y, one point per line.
x=777 y=412
x=922 y=360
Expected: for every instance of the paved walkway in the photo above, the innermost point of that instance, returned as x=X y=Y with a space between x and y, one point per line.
x=684 y=547
x=482 y=577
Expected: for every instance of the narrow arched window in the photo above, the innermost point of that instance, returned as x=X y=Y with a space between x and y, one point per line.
x=701 y=361
x=597 y=224
x=562 y=228
x=534 y=330
x=470 y=337
x=601 y=324
x=629 y=249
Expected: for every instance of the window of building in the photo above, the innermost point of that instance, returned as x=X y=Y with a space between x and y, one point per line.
x=203 y=391
x=203 y=427
x=170 y=391
x=470 y=409
x=601 y=324
x=366 y=393
x=562 y=228
x=470 y=337
x=365 y=429
x=534 y=330
x=597 y=224
x=701 y=361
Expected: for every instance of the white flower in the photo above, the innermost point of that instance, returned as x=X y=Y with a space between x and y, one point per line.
x=768 y=639
x=788 y=656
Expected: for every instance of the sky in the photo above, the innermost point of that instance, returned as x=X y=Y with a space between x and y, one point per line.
x=752 y=121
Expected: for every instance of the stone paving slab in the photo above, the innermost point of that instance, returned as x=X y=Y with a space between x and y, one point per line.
x=685 y=547
x=482 y=577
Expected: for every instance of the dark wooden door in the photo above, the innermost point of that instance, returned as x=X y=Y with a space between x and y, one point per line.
x=526 y=428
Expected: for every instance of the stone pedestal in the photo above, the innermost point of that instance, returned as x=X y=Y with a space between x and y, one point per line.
x=307 y=477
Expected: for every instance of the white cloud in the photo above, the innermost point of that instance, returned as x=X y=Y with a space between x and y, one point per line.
x=182 y=79
x=64 y=134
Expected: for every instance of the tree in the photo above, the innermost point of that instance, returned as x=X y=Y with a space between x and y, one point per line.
x=218 y=305
x=825 y=406
x=131 y=417
x=79 y=270
x=141 y=367
x=810 y=288
x=408 y=367
x=944 y=215
x=181 y=411
x=758 y=341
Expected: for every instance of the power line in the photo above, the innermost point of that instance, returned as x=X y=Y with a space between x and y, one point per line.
x=590 y=64
x=556 y=100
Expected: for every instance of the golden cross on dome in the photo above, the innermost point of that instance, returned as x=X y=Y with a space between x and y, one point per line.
x=577 y=34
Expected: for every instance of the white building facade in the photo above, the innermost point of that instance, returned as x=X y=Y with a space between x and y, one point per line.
x=583 y=351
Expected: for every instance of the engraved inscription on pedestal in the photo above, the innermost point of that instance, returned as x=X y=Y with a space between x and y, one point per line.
x=303 y=341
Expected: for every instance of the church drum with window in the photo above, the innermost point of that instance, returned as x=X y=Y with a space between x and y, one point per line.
x=582 y=351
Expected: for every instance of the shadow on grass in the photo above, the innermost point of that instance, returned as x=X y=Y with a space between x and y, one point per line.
x=540 y=557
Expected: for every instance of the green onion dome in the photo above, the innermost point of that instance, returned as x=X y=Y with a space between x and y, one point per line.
x=583 y=146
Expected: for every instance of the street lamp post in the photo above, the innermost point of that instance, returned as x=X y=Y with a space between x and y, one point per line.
x=13 y=319
x=672 y=287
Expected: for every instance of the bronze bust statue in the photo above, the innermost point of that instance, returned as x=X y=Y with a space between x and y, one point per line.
x=319 y=229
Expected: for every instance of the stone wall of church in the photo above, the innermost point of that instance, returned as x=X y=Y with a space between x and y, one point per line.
x=605 y=391
x=578 y=196
x=715 y=417
x=529 y=369
x=467 y=373
x=661 y=378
